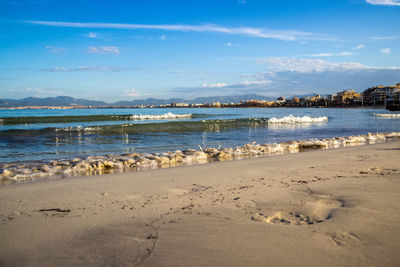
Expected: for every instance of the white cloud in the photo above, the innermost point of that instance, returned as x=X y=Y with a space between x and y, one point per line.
x=358 y=47
x=163 y=37
x=92 y=35
x=55 y=50
x=228 y=44
x=254 y=82
x=384 y=37
x=287 y=35
x=103 y=50
x=385 y=50
x=214 y=85
x=131 y=92
x=241 y=1
x=384 y=2
x=344 y=53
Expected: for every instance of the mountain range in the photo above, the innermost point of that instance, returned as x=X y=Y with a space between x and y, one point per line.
x=70 y=101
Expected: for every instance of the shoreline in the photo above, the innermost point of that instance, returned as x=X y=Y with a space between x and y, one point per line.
x=334 y=208
x=21 y=172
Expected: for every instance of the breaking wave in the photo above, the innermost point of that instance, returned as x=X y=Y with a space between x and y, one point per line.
x=293 y=120
x=166 y=116
x=93 y=118
x=172 y=126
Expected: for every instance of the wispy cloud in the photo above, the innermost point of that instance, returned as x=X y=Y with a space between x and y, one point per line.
x=131 y=92
x=241 y=1
x=55 y=50
x=287 y=35
x=344 y=53
x=89 y=68
x=384 y=2
x=163 y=37
x=307 y=65
x=255 y=82
x=214 y=85
x=384 y=37
x=385 y=50
x=103 y=50
x=92 y=35
x=278 y=64
x=358 y=47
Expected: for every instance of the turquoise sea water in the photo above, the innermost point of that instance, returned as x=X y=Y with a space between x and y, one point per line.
x=36 y=135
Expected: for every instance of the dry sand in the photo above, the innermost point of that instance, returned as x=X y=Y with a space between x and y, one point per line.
x=321 y=208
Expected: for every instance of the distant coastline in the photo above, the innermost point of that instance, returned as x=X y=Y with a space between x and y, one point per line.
x=376 y=97
x=197 y=107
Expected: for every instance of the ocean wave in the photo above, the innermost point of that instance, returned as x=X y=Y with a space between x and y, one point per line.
x=96 y=118
x=151 y=127
x=387 y=115
x=166 y=116
x=172 y=126
x=293 y=120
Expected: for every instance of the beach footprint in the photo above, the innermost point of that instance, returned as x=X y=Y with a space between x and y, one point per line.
x=318 y=208
x=344 y=239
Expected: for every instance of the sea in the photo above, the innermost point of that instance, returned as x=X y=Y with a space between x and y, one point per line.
x=52 y=134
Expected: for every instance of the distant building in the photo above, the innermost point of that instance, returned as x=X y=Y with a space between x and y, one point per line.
x=377 y=95
x=280 y=100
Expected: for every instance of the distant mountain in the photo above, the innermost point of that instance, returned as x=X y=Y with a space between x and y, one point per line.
x=231 y=99
x=198 y=100
x=70 y=101
x=150 y=101
x=50 y=101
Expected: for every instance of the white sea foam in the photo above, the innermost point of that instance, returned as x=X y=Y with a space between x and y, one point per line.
x=166 y=116
x=387 y=115
x=78 y=129
x=292 y=119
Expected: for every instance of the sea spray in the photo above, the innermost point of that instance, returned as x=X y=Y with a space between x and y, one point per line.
x=94 y=165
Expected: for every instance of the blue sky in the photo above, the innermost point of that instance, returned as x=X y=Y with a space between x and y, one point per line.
x=124 y=50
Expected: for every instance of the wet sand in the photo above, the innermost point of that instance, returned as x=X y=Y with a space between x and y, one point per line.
x=320 y=208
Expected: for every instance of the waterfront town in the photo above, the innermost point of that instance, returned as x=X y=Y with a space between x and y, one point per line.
x=377 y=96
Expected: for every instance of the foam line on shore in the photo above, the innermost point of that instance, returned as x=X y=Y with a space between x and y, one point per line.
x=95 y=165
x=387 y=115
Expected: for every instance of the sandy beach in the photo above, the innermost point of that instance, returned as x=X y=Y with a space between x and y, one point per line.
x=334 y=207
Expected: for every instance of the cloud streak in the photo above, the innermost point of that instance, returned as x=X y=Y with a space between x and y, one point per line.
x=214 y=85
x=340 y=54
x=279 y=64
x=286 y=35
x=92 y=35
x=103 y=50
x=384 y=2
x=384 y=37
x=385 y=50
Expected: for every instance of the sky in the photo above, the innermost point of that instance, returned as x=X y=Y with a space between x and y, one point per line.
x=126 y=50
